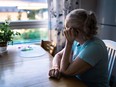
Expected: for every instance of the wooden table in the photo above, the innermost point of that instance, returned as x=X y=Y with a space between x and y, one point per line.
x=17 y=71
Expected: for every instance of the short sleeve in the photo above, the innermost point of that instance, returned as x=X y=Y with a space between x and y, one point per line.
x=91 y=54
x=74 y=45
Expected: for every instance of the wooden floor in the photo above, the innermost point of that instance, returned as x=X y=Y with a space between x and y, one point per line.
x=16 y=71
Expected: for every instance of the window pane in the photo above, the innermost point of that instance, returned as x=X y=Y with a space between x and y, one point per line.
x=23 y=10
x=30 y=35
x=26 y=17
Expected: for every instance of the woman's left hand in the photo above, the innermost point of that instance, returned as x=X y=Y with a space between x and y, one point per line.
x=69 y=34
x=55 y=73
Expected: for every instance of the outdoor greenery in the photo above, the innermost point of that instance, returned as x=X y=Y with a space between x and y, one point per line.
x=30 y=35
x=31 y=14
x=6 y=34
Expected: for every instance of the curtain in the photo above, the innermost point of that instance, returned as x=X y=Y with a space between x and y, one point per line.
x=58 y=9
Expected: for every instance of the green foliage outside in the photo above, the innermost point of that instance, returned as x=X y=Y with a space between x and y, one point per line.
x=31 y=14
x=31 y=35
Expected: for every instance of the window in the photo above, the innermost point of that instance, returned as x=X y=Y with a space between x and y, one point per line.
x=30 y=35
x=29 y=17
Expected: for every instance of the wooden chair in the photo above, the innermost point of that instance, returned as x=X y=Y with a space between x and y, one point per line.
x=111 y=47
x=49 y=46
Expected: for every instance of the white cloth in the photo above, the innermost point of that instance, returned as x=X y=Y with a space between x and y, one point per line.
x=29 y=51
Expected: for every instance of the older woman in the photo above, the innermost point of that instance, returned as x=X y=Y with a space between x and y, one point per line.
x=84 y=56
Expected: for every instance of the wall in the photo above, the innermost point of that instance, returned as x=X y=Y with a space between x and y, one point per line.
x=88 y=4
x=106 y=12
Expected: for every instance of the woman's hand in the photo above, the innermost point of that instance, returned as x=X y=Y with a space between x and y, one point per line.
x=69 y=34
x=55 y=73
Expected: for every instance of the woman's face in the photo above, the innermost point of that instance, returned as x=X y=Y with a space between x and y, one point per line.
x=71 y=24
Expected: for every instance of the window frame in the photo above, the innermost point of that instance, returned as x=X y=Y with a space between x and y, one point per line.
x=30 y=24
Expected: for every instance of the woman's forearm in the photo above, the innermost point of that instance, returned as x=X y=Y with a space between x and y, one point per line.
x=66 y=57
x=56 y=61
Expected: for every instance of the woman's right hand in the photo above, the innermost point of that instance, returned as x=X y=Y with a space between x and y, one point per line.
x=69 y=34
x=55 y=73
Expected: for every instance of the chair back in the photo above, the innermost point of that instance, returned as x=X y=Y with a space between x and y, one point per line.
x=111 y=47
x=49 y=46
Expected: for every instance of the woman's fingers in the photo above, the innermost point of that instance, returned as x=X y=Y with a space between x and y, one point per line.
x=69 y=34
x=59 y=75
x=51 y=73
x=54 y=73
x=73 y=33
